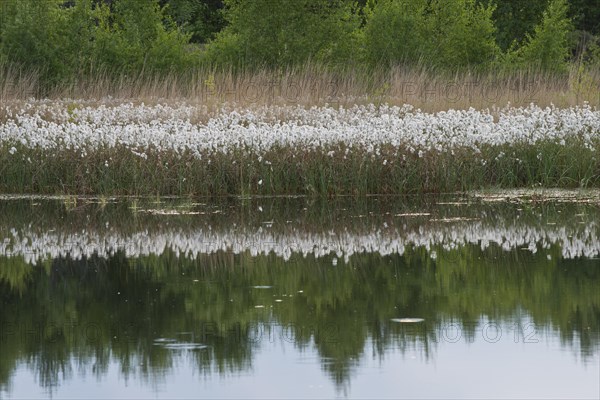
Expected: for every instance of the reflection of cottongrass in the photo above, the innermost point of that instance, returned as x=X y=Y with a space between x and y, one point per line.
x=582 y=241
x=56 y=126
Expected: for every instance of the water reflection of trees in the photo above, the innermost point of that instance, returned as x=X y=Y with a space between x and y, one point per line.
x=64 y=314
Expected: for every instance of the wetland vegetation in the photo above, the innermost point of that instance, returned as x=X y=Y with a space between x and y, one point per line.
x=191 y=97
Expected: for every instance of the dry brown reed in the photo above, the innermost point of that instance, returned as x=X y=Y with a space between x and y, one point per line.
x=314 y=85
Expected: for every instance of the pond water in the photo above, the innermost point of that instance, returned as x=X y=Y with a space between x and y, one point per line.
x=428 y=297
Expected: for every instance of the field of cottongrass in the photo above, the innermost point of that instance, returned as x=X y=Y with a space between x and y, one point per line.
x=86 y=147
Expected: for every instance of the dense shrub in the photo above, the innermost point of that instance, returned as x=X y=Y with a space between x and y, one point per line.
x=514 y=19
x=283 y=33
x=64 y=40
x=31 y=35
x=460 y=33
x=137 y=36
x=548 y=47
x=202 y=19
x=443 y=33
x=394 y=32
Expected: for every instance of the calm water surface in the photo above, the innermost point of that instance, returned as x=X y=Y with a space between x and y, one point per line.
x=437 y=297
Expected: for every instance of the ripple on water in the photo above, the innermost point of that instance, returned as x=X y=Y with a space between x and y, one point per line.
x=174 y=344
x=407 y=320
x=185 y=346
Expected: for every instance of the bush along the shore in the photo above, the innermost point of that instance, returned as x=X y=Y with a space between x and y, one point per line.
x=65 y=42
x=62 y=147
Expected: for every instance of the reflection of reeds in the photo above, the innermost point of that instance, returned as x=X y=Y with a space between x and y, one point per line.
x=565 y=231
x=313 y=84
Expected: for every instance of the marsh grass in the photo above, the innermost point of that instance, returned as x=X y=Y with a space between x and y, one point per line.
x=295 y=171
x=314 y=85
x=292 y=171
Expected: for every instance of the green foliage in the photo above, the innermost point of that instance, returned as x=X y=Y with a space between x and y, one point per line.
x=135 y=37
x=594 y=53
x=67 y=40
x=282 y=33
x=62 y=40
x=30 y=36
x=515 y=19
x=460 y=33
x=394 y=32
x=586 y=15
x=548 y=48
x=202 y=19
x=225 y=51
x=447 y=34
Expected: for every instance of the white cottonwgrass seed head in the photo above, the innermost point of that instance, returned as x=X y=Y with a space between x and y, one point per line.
x=56 y=126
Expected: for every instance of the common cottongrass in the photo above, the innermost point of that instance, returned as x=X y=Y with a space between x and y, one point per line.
x=69 y=147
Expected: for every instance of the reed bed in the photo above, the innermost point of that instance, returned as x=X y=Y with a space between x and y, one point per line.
x=317 y=85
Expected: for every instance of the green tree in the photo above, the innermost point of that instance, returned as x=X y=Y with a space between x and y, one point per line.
x=460 y=33
x=585 y=15
x=136 y=36
x=202 y=19
x=394 y=32
x=30 y=36
x=448 y=34
x=548 y=47
x=283 y=33
x=515 y=19
x=65 y=40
